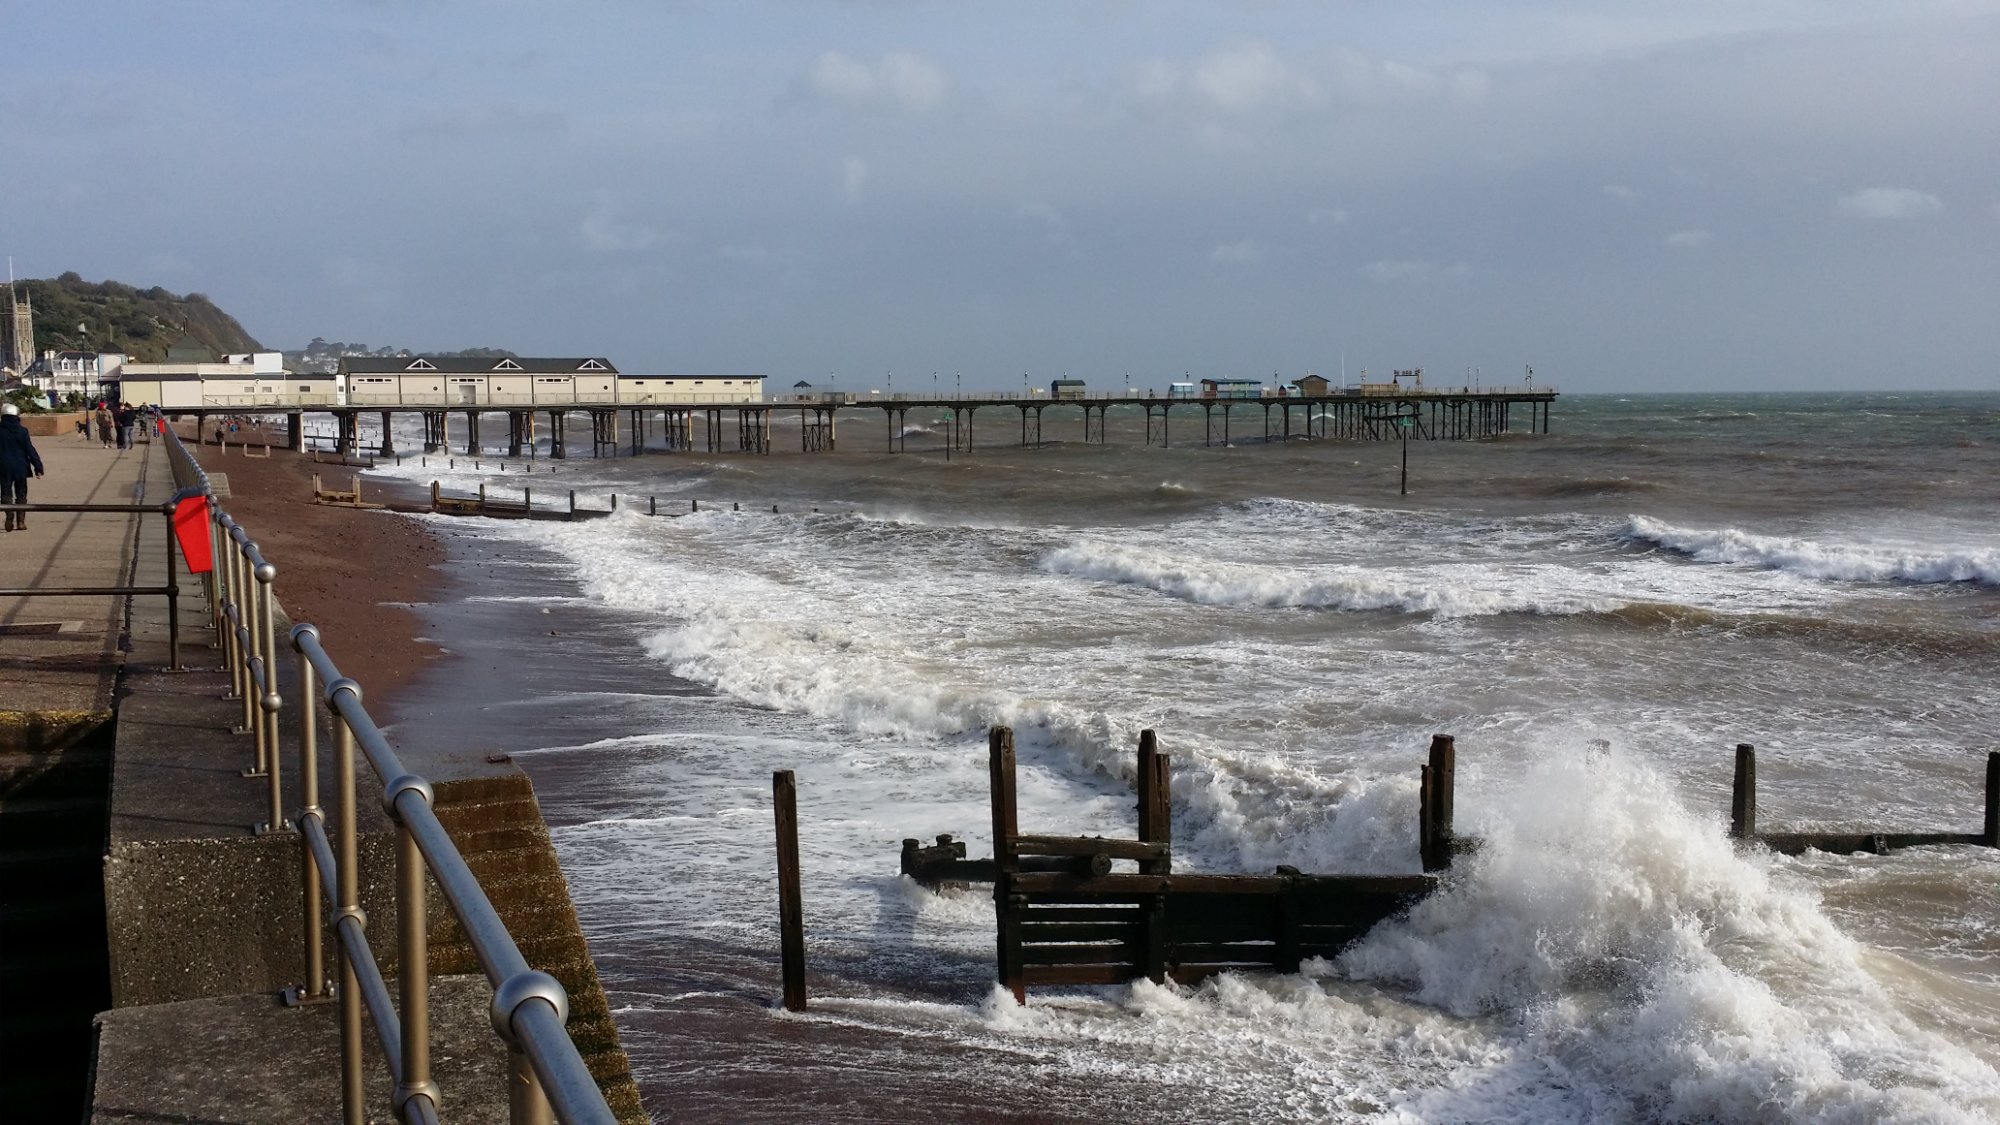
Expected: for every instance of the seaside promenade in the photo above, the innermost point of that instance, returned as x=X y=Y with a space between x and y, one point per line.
x=149 y=929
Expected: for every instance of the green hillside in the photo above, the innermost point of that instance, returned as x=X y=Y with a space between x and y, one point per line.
x=72 y=314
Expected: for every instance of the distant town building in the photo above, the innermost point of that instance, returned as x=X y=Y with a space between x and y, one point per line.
x=1310 y=386
x=244 y=381
x=76 y=373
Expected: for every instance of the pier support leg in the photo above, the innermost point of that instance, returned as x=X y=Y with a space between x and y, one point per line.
x=295 y=432
x=1743 y=794
x=388 y=439
x=556 y=449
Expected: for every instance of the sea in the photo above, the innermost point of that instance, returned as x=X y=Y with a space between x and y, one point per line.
x=1598 y=615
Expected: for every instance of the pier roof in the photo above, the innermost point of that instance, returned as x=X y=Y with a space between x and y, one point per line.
x=474 y=365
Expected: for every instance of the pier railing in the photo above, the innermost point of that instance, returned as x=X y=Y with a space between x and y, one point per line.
x=547 y=1077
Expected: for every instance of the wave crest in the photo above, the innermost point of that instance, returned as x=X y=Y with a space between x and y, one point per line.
x=1254 y=586
x=1839 y=562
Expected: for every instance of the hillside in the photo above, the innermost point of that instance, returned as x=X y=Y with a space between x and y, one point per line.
x=110 y=316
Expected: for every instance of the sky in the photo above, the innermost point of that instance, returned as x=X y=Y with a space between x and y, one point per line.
x=1704 y=195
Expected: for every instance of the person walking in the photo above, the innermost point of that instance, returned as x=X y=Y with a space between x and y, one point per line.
x=17 y=456
x=104 y=424
x=123 y=417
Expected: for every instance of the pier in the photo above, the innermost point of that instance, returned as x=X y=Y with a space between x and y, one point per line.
x=631 y=427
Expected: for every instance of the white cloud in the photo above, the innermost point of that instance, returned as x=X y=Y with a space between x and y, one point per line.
x=1620 y=191
x=1413 y=272
x=1691 y=238
x=1247 y=76
x=1326 y=216
x=853 y=176
x=1243 y=250
x=900 y=80
x=605 y=232
x=1890 y=203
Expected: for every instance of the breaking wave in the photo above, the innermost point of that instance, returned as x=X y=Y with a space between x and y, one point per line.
x=1250 y=585
x=1839 y=562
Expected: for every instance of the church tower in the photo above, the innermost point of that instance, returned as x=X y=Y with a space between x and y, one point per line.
x=20 y=327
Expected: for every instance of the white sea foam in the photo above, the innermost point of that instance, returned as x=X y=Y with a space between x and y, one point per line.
x=1839 y=562
x=1651 y=970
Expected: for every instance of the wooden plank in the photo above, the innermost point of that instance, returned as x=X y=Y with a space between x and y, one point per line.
x=1079 y=974
x=791 y=912
x=1033 y=931
x=1151 y=884
x=1183 y=931
x=1039 y=912
x=1851 y=843
x=1087 y=846
x=1312 y=886
x=1119 y=954
x=1227 y=953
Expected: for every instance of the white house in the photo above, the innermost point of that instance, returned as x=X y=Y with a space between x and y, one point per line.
x=73 y=372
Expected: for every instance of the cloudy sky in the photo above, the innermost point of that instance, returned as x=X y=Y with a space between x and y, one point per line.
x=1708 y=194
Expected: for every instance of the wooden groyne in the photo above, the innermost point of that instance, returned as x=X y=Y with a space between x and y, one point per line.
x=1876 y=841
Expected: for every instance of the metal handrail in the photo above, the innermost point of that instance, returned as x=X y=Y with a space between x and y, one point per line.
x=548 y=1078
x=170 y=589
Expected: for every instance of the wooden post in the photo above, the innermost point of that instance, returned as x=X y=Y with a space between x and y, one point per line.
x=434 y=495
x=357 y=490
x=1156 y=826
x=652 y=505
x=1993 y=798
x=1426 y=832
x=1440 y=778
x=572 y=503
x=1743 y=794
x=527 y=500
x=791 y=911
x=1006 y=825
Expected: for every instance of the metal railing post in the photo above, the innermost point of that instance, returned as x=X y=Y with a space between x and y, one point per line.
x=527 y=1102
x=412 y=944
x=314 y=987
x=173 y=596
x=347 y=877
x=269 y=701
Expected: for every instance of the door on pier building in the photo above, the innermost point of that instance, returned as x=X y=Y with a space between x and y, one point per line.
x=466 y=391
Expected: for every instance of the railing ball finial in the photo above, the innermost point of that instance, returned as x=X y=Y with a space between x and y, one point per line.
x=344 y=683
x=407 y=783
x=301 y=631
x=518 y=990
x=272 y=702
x=265 y=571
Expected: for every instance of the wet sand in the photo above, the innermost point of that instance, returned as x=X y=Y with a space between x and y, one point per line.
x=354 y=573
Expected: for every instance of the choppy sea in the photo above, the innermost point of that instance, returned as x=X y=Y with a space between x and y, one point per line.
x=1815 y=574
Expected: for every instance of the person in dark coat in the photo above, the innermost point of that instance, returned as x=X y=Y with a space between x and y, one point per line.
x=123 y=418
x=17 y=456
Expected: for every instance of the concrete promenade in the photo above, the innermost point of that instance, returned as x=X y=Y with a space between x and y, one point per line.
x=144 y=916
